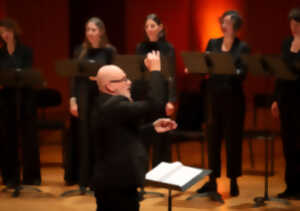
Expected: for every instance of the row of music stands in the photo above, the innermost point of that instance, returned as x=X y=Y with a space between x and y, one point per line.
x=197 y=63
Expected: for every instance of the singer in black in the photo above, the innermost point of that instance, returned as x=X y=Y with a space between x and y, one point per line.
x=286 y=108
x=155 y=39
x=226 y=107
x=14 y=55
x=96 y=49
x=121 y=158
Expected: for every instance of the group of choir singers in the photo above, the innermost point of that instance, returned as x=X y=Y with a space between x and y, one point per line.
x=225 y=109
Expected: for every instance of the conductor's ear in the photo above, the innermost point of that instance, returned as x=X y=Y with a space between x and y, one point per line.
x=109 y=87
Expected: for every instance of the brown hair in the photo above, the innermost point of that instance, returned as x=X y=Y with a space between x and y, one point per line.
x=104 y=42
x=12 y=26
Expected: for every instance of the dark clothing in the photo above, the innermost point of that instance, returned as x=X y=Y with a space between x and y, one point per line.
x=161 y=148
x=225 y=112
x=124 y=199
x=85 y=91
x=14 y=126
x=121 y=158
x=167 y=50
x=288 y=97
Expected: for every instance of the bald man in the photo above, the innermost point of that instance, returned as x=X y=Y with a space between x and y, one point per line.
x=121 y=159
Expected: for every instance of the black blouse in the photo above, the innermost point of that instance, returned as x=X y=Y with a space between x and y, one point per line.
x=229 y=82
x=292 y=60
x=98 y=55
x=22 y=57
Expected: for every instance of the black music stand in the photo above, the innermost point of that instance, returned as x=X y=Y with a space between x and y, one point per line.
x=131 y=64
x=175 y=176
x=82 y=68
x=19 y=78
x=214 y=64
x=277 y=67
x=195 y=62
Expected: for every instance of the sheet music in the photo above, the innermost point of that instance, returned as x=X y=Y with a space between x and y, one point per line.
x=173 y=173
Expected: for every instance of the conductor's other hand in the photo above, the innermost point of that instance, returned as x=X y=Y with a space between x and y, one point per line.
x=152 y=61
x=164 y=125
x=275 y=110
x=74 y=108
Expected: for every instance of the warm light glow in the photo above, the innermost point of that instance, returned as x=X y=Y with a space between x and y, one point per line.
x=207 y=18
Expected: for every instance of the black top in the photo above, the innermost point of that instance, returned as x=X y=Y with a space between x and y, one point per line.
x=22 y=57
x=287 y=87
x=227 y=83
x=166 y=49
x=121 y=158
x=98 y=55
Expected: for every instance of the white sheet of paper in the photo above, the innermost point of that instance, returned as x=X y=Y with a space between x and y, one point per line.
x=173 y=173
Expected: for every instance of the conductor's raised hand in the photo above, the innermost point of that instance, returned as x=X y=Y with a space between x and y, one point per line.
x=152 y=61
x=164 y=125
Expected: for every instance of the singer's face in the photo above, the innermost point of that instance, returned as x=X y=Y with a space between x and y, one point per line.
x=295 y=28
x=227 y=25
x=152 y=30
x=6 y=34
x=92 y=32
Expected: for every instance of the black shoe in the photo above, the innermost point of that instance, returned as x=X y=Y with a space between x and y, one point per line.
x=208 y=187
x=234 y=189
x=288 y=194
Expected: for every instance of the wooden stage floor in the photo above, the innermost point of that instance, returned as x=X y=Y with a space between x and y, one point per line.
x=250 y=187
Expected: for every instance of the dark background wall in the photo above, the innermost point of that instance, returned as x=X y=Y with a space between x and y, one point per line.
x=54 y=28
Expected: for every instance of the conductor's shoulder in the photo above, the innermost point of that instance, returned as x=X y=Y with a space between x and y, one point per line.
x=111 y=102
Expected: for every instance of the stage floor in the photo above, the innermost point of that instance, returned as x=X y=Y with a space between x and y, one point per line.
x=250 y=187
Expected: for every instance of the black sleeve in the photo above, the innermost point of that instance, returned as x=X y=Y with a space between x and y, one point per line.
x=139 y=50
x=27 y=58
x=75 y=80
x=172 y=79
x=123 y=110
x=111 y=53
x=239 y=64
x=209 y=46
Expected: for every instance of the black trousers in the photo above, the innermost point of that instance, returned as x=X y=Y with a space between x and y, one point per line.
x=117 y=200
x=21 y=123
x=225 y=119
x=289 y=106
x=70 y=149
x=161 y=149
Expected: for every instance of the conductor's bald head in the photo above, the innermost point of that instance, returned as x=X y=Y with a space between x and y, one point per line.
x=112 y=80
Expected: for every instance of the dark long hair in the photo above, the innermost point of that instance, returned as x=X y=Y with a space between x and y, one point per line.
x=104 y=42
x=12 y=26
x=156 y=19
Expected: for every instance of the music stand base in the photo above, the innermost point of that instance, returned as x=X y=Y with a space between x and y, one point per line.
x=214 y=196
x=81 y=191
x=17 y=190
x=260 y=201
x=142 y=193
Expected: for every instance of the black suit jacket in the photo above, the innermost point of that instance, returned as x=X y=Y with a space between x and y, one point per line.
x=121 y=159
